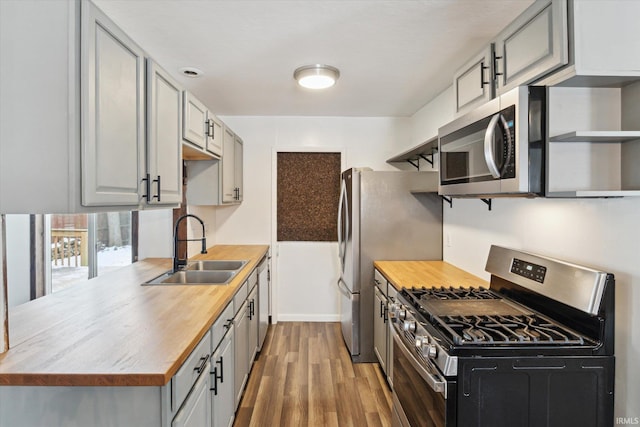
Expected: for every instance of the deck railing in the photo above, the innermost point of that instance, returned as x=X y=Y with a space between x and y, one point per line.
x=69 y=244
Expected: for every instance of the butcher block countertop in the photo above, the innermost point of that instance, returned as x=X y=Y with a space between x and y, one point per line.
x=111 y=331
x=407 y=274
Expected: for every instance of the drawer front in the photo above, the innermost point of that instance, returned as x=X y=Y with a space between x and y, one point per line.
x=220 y=326
x=189 y=372
x=380 y=281
x=240 y=296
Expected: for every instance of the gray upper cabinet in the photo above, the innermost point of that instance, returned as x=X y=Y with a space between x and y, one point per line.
x=533 y=45
x=231 y=173
x=163 y=181
x=238 y=158
x=73 y=122
x=200 y=127
x=112 y=100
x=195 y=121
x=473 y=83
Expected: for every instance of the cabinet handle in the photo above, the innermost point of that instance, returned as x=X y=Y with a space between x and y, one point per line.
x=157 y=196
x=482 y=68
x=214 y=389
x=385 y=314
x=495 y=66
x=221 y=363
x=213 y=130
x=147 y=190
x=203 y=362
x=381 y=308
x=227 y=325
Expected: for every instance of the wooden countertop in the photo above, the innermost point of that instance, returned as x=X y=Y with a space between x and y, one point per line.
x=407 y=274
x=111 y=331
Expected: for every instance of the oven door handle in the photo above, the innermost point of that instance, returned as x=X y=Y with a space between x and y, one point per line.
x=433 y=379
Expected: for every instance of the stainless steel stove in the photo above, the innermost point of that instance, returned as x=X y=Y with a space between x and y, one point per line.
x=534 y=349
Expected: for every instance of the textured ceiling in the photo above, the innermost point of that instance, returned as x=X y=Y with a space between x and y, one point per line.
x=393 y=56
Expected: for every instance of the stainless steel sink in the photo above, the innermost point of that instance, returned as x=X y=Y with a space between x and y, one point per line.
x=209 y=277
x=215 y=264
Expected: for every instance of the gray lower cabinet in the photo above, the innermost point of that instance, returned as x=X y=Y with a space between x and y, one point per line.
x=253 y=323
x=380 y=321
x=222 y=370
x=241 y=351
x=196 y=411
x=391 y=298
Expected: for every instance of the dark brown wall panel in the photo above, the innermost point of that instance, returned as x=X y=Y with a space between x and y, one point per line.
x=308 y=192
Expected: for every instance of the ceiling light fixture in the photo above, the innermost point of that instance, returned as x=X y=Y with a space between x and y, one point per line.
x=316 y=76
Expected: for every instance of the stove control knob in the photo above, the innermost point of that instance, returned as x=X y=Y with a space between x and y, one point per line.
x=431 y=351
x=422 y=341
x=402 y=313
x=394 y=309
x=409 y=326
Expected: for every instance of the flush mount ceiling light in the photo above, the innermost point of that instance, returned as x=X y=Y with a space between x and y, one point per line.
x=316 y=76
x=191 y=72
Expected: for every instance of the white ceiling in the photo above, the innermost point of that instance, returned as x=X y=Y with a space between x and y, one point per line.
x=394 y=55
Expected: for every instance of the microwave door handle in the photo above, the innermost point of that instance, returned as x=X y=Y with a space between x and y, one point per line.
x=489 y=155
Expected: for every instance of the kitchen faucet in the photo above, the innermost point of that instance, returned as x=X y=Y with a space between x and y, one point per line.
x=177 y=262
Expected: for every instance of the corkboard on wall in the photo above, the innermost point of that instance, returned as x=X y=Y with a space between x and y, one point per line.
x=308 y=193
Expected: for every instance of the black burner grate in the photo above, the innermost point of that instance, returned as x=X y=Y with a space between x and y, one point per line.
x=520 y=330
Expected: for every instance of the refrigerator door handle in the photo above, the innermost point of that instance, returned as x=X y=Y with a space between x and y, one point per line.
x=343 y=207
x=342 y=287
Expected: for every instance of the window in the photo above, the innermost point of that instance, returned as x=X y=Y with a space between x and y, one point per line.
x=83 y=246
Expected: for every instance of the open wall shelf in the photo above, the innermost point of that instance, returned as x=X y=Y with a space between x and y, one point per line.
x=425 y=151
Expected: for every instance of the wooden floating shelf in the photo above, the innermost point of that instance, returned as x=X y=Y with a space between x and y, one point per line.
x=597 y=136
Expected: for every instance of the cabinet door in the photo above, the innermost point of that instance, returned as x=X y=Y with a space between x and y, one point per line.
x=163 y=183
x=228 y=163
x=379 y=328
x=196 y=410
x=194 y=126
x=473 y=82
x=222 y=394
x=237 y=167
x=241 y=352
x=253 y=325
x=533 y=45
x=215 y=135
x=112 y=105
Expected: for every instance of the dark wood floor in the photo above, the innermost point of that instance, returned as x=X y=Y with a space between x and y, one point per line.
x=304 y=377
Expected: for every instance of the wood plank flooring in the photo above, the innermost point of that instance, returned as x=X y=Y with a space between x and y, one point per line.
x=304 y=377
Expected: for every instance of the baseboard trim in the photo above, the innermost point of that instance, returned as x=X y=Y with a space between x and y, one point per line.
x=308 y=317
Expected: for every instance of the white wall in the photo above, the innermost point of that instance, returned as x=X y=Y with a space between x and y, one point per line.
x=365 y=142
x=602 y=233
x=155 y=233
x=18 y=259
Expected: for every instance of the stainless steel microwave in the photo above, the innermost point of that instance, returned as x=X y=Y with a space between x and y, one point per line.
x=498 y=149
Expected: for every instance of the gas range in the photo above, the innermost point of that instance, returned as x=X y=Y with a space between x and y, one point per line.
x=541 y=319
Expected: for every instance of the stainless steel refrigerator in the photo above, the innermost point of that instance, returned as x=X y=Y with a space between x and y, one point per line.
x=381 y=216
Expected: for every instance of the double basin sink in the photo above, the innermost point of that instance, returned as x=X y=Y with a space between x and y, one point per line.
x=205 y=272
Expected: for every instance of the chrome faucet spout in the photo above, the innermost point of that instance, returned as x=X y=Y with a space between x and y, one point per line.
x=177 y=261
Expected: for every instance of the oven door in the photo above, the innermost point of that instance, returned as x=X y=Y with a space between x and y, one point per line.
x=421 y=395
